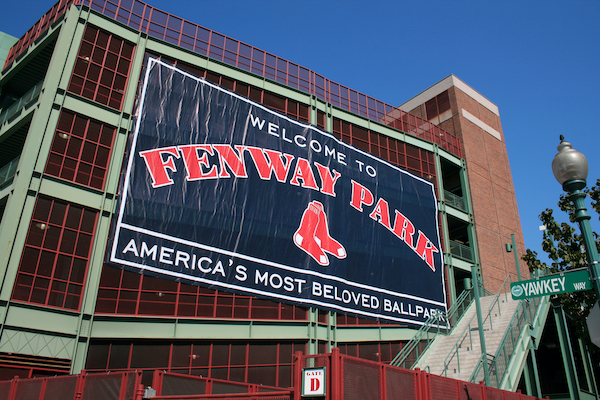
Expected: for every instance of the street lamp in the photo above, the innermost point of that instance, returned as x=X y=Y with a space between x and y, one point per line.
x=570 y=169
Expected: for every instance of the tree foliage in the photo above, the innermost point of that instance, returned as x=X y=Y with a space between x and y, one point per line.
x=565 y=248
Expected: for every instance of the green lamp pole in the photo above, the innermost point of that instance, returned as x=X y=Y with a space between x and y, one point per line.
x=570 y=169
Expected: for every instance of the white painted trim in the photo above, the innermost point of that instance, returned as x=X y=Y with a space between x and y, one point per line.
x=481 y=124
x=443 y=85
x=427 y=94
x=476 y=96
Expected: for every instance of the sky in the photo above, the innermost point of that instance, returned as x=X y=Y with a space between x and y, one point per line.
x=538 y=61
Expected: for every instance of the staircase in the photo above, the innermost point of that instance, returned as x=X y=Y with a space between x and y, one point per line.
x=456 y=355
x=510 y=329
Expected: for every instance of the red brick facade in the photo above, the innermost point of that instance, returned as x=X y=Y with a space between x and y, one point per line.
x=493 y=199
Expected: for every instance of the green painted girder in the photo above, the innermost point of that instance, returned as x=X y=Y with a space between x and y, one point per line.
x=528 y=339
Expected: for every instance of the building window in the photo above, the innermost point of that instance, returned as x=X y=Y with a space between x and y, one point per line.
x=125 y=292
x=256 y=362
x=291 y=108
x=80 y=150
x=56 y=255
x=411 y=158
x=102 y=67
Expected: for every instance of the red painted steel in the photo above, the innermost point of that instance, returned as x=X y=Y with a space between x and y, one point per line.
x=355 y=378
x=180 y=32
x=347 y=378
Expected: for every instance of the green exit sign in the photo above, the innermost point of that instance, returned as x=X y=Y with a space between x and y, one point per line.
x=566 y=282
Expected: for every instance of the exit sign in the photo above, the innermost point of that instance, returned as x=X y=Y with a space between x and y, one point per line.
x=566 y=282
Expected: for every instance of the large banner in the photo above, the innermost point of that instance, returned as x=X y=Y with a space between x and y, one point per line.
x=222 y=192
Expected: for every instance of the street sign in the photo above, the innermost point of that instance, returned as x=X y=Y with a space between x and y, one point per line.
x=566 y=282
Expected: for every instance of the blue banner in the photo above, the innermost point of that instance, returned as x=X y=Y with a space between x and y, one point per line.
x=222 y=192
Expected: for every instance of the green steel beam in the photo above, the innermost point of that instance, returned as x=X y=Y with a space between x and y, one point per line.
x=79 y=327
x=566 y=352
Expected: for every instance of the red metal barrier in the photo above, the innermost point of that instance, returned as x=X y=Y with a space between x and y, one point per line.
x=351 y=378
x=346 y=378
x=109 y=386
x=171 y=386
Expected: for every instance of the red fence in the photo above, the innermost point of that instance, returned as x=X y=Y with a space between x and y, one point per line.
x=351 y=378
x=128 y=386
x=171 y=386
x=110 y=386
x=347 y=378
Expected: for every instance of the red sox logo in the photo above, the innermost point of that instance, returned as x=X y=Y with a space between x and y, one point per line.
x=313 y=235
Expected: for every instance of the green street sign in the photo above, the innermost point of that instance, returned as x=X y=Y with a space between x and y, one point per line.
x=566 y=282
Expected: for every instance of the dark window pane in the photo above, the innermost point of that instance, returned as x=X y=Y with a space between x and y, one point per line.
x=89 y=152
x=119 y=356
x=150 y=356
x=262 y=354
x=131 y=280
x=63 y=267
x=68 y=171
x=88 y=221
x=46 y=263
x=181 y=355
x=220 y=354
x=83 y=245
x=29 y=260
x=200 y=355
x=74 y=147
x=78 y=270
x=73 y=217
x=58 y=213
x=110 y=277
x=36 y=234
x=39 y=291
x=97 y=357
x=262 y=375
x=238 y=354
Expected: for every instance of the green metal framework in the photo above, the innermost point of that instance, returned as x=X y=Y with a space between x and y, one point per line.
x=65 y=334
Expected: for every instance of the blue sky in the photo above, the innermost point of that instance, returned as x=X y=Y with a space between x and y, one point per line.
x=539 y=61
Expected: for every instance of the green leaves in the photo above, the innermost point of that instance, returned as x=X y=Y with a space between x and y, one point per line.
x=566 y=250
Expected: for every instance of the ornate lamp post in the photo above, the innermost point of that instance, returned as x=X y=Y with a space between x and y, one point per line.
x=570 y=169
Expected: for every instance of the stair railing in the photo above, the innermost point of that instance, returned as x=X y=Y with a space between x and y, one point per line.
x=525 y=315
x=467 y=332
x=423 y=334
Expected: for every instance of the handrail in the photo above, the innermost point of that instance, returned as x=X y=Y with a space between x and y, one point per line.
x=22 y=102
x=426 y=328
x=468 y=329
x=460 y=250
x=455 y=201
x=523 y=317
x=8 y=171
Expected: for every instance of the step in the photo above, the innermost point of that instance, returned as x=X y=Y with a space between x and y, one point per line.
x=469 y=352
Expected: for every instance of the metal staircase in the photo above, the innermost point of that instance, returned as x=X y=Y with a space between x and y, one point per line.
x=525 y=326
x=427 y=334
x=508 y=325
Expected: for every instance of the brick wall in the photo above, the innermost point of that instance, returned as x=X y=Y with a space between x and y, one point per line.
x=492 y=193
